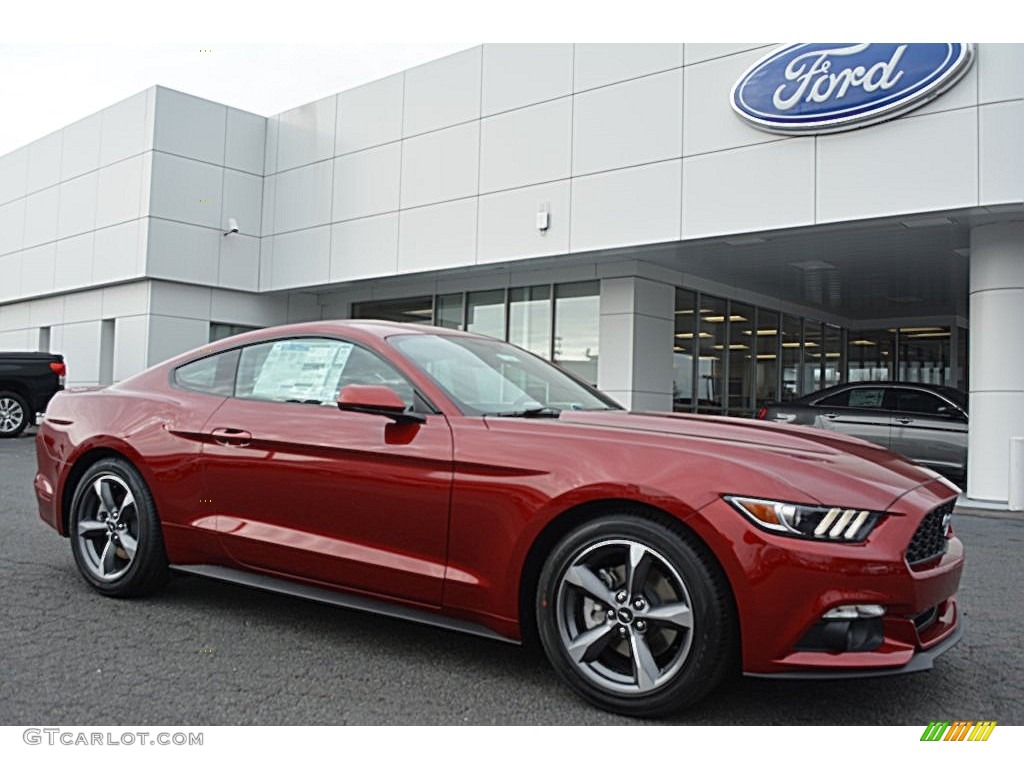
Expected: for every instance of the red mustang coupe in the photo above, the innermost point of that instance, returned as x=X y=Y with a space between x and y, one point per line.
x=456 y=480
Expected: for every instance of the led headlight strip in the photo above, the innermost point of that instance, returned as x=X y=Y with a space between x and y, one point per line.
x=806 y=520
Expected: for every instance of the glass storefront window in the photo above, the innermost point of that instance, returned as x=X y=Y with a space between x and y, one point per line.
x=792 y=355
x=924 y=354
x=741 y=368
x=529 y=319
x=832 y=349
x=813 y=342
x=712 y=336
x=485 y=313
x=683 y=350
x=415 y=310
x=220 y=331
x=767 y=357
x=870 y=355
x=577 y=320
x=448 y=311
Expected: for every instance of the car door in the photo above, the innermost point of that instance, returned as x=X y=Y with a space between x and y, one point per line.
x=304 y=489
x=929 y=430
x=859 y=412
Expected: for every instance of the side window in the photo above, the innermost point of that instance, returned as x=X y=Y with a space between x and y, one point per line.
x=311 y=371
x=916 y=401
x=864 y=397
x=213 y=375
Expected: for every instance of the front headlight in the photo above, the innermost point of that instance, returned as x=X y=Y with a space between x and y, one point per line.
x=807 y=521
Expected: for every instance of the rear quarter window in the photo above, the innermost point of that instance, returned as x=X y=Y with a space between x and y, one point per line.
x=213 y=375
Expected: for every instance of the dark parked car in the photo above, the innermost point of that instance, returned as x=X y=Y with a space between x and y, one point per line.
x=459 y=481
x=27 y=382
x=925 y=423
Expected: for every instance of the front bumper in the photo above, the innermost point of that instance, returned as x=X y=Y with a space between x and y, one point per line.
x=783 y=586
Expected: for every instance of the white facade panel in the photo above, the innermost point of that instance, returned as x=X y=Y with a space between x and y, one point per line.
x=370 y=115
x=628 y=207
x=766 y=186
x=243 y=201
x=81 y=349
x=270 y=150
x=268 y=203
x=180 y=300
x=363 y=248
x=131 y=335
x=599 y=64
x=239 y=262
x=119 y=252
x=508 y=223
x=126 y=128
x=17 y=341
x=246 y=309
x=437 y=236
x=12 y=225
x=182 y=252
x=13 y=316
x=83 y=306
x=636 y=122
x=246 y=140
x=526 y=146
x=170 y=336
x=518 y=74
x=367 y=182
x=78 y=205
x=442 y=93
x=1001 y=148
x=43 y=312
x=126 y=299
x=306 y=134
x=709 y=122
x=81 y=147
x=303 y=197
x=41 y=213
x=74 y=262
x=694 y=53
x=13 y=175
x=903 y=166
x=189 y=126
x=300 y=258
x=37 y=267
x=120 y=191
x=442 y=165
x=44 y=161
x=186 y=191
x=999 y=72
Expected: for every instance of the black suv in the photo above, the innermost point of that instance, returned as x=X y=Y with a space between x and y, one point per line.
x=27 y=382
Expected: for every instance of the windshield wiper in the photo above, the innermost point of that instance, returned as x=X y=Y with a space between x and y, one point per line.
x=543 y=412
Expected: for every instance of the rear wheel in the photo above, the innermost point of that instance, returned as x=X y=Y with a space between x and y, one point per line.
x=14 y=416
x=115 y=533
x=635 y=617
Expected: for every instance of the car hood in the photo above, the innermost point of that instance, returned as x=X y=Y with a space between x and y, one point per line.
x=833 y=469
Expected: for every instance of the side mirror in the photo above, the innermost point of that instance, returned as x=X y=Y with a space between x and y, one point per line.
x=376 y=401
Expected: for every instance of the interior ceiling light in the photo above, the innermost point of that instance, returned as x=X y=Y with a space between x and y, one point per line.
x=721 y=318
x=937 y=335
x=763 y=332
x=731 y=346
x=864 y=343
x=701 y=335
x=766 y=357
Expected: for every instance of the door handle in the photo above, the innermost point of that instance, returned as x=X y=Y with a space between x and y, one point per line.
x=904 y=420
x=231 y=436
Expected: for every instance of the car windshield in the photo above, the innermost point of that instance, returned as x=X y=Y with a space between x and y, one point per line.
x=486 y=377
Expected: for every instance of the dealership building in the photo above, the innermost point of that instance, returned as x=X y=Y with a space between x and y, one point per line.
x=609 y=207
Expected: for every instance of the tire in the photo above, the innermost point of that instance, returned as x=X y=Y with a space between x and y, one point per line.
x=677 y=618
x=14 y=415
x=115 y=532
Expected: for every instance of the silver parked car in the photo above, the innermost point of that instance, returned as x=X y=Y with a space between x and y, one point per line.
x=925 y=423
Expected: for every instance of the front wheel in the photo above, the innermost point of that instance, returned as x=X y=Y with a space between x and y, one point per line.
x=635 y=617
x=115 y=533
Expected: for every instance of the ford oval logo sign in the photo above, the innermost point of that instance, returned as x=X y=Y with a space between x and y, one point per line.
x=825 y=87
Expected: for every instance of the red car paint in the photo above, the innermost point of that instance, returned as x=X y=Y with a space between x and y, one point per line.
x=448 y=515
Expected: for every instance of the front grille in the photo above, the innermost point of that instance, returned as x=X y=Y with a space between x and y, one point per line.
x=930 y=539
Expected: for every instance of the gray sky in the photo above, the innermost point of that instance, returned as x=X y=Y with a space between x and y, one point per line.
x=46 y=87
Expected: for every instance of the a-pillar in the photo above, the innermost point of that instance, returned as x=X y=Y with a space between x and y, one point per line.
x=997 y=357
x=635 y=363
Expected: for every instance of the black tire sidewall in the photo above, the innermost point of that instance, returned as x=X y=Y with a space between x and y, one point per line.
x=26 y=418
x=712 y=640
x=149 y=568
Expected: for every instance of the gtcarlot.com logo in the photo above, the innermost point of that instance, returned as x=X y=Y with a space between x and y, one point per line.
x=72 y=738
x=958 y=730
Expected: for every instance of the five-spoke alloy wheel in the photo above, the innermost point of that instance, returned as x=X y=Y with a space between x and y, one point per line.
x=114 y=530
x=634 y=616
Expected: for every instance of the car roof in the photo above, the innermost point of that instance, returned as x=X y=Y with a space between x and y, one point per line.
x=822 y=393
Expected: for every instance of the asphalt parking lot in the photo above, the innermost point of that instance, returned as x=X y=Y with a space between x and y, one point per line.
x=206 y=653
